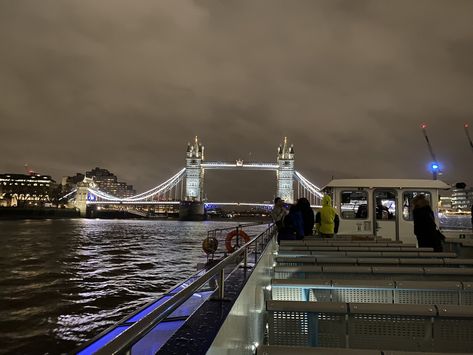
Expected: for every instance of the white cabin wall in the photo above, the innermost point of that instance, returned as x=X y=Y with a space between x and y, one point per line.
x=354 y=226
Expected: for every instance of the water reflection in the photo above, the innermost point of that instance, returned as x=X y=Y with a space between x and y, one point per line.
x=63 y=281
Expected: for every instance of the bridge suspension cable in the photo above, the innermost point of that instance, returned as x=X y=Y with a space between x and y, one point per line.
x=161 y=188
x=313 y=189
x=68 y=194
x=307 y=189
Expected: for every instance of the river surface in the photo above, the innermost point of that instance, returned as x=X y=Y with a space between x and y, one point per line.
x=455 y=222
x=64 y=281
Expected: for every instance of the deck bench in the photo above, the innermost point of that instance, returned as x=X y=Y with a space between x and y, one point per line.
x=373 y=291
x=373 y=272
x=370 y=326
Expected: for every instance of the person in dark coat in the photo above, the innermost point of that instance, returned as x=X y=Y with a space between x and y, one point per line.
x=425 y=228
x=293 y=226
x=307 y=215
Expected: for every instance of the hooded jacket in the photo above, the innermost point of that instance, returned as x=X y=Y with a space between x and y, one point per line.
x=327 y=218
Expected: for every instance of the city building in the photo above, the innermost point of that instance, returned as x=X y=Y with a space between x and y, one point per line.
x=462 y=199
x=108 y=182
x=24 y=190
x=69 y=183
x=445 y=203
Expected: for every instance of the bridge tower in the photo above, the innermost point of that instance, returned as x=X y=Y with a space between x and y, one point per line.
x=82 y=194
x=285 y=173
x=194 y=171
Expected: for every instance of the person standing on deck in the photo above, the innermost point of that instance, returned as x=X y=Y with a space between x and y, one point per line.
x=326 y=220
x=425 y=228
x=292 y=225
x=279 y=212
x=307 y=215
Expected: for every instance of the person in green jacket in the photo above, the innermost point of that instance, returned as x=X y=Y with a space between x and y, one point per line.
x=326 y=220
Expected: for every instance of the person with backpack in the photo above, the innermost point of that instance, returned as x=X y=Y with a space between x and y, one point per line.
x=293 y=225
x=327 y=220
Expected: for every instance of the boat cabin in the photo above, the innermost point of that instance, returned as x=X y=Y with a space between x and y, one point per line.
x=381 y=207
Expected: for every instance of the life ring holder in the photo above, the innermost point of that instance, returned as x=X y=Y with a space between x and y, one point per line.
x=233 y=234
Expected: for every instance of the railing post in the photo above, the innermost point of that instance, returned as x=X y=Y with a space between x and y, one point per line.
x=245 y=258
x=221 y=290
x=256 y=251
x=238 y=236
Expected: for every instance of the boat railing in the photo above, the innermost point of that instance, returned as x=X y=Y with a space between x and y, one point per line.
x=124 y=341
x=221 y=234
x=215 y=231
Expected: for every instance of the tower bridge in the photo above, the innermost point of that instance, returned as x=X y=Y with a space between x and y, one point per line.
x=186 y=187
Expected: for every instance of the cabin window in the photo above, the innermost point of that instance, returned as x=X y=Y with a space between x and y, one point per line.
x=385 y=204
x=407 y=202
x=354 y=204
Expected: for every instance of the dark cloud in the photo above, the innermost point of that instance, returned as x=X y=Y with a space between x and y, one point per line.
x=125 y=84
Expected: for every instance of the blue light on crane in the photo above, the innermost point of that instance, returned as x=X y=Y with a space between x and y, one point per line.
x=434 y=166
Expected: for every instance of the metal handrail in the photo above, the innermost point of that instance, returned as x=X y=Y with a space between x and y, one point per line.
x=240 y=226
x=123 y=342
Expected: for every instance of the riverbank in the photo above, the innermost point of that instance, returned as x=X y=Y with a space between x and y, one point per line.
x=15 y=213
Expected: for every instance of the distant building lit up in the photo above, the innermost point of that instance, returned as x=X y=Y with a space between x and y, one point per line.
x=25 y=190
x=108 y=182
x=462 y=199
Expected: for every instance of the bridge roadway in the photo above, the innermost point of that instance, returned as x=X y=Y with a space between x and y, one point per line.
x=245 y=204
x=239 y=165
x=207 y=204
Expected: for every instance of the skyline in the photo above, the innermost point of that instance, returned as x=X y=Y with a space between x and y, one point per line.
x=124 y=86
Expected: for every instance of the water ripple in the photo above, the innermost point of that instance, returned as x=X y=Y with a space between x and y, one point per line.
x=64 y=281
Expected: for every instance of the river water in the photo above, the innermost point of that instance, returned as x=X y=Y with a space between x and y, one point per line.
x=64 y=281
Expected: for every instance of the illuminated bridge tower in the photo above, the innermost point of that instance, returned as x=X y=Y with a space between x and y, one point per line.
x=285 y=173
x=192 y=209
x=194 y=171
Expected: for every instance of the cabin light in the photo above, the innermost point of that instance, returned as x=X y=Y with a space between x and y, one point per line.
x=268 y=288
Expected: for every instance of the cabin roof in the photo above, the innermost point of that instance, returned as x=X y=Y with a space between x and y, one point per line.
x=394 y=183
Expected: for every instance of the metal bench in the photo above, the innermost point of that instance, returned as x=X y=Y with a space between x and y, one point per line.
x=389 y=254
x=462 y=247
x=373 y=272
x=373 y=291
x=351 y=248
x=295 y=261
x=303 y=350
x=370 y=326
x=296 y=243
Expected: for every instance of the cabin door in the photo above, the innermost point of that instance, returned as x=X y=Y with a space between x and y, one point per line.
x=385 y=213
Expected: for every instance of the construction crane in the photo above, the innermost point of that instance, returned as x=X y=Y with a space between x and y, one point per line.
x=434 y=166
x=468 y=135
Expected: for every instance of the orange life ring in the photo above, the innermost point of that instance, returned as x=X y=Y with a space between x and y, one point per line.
x=231 y=235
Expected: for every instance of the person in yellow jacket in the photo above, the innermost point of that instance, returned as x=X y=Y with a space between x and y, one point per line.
x=326 y=220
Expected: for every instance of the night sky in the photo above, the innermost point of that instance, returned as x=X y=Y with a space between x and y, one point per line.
x=124 y=85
